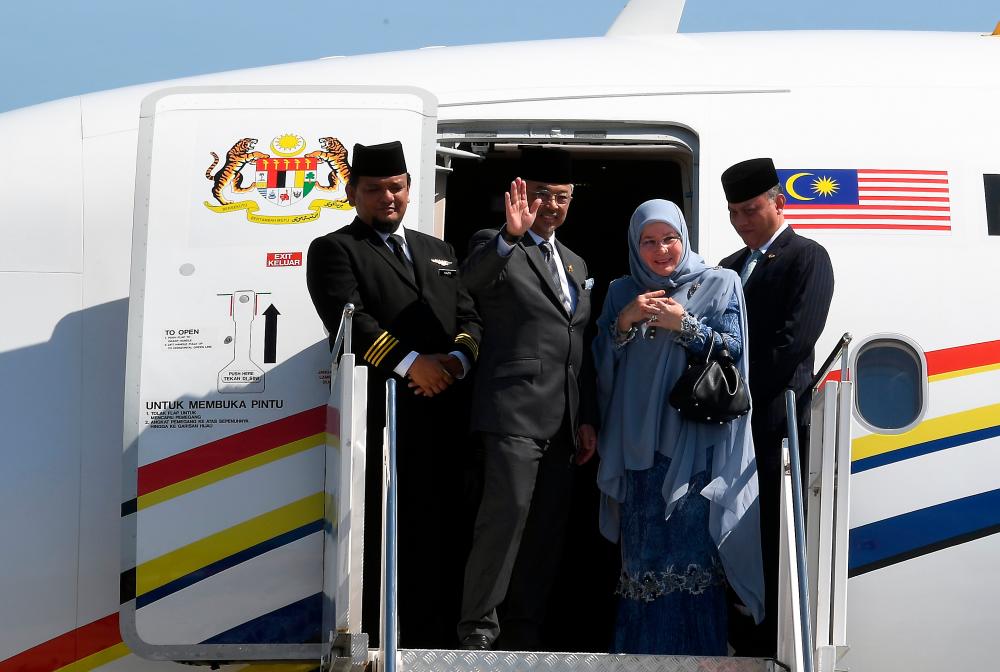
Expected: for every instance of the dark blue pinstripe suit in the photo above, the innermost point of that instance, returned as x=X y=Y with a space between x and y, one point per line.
x=787 y=297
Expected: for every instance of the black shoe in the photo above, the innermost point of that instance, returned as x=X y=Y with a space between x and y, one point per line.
x=475 y=642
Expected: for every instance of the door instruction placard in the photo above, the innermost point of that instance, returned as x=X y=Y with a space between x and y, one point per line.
x=228 y=363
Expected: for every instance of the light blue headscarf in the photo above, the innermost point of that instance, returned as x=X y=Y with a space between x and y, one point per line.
x=637 y=420
x=691 y=265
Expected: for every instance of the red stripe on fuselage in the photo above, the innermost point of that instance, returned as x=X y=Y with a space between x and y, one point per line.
x=963 y=357
x=954 y=359
x=225 y=451
x=67 y=648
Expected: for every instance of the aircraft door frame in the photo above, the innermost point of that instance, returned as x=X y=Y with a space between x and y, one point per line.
x=580 y=137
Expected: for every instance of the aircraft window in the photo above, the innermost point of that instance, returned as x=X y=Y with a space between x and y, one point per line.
x=891 y=385
x=992 y=185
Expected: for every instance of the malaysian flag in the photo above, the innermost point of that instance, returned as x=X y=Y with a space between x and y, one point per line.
x=916 y=200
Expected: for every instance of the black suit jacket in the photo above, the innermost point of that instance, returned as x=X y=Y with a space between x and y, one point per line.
x=787 y=300
x=532 y=352
x=393 y=314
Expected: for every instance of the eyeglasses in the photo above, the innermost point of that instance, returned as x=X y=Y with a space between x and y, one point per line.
x=546 y=196
x=653 y=243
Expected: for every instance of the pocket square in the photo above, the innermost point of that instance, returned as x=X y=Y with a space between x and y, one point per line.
x=588 y=283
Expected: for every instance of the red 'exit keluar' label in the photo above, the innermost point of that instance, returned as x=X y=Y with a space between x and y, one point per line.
x=275 y=259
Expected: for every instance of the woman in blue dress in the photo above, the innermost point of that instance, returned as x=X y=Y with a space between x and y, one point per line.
x=681 y=496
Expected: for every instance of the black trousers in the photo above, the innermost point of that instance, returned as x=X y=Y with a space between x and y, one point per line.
x=747 y=638
x=518 y=538
x=435 y=515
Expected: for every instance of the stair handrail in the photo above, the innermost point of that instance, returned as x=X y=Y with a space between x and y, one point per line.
x=828 y=363
x=343 y=332
x=389 y=635
x=798 y=520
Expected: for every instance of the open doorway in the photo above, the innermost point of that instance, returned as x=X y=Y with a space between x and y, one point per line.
x=612 y=176
x=610 y=182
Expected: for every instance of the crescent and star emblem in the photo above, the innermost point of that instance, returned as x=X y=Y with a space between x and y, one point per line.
x=790 y=188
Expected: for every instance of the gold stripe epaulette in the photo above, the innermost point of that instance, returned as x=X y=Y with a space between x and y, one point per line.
x=381 y=347
x=469 y=342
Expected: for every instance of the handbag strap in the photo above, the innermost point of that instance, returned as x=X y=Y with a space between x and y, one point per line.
x=711 y=344
x=723 y=353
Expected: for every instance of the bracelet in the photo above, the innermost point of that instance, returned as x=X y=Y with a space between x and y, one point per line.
x=689 y=328
x=623 y=338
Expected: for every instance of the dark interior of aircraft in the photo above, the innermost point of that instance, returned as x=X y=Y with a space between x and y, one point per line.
x=582 y=609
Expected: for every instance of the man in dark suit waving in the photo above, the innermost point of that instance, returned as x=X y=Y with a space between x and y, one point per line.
x=788 y=284
x=534 y=297
x=413 y=320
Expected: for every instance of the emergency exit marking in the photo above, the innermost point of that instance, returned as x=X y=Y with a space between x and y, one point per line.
x=275 y=259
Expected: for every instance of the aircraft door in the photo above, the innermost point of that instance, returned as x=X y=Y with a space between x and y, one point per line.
x=238 y=540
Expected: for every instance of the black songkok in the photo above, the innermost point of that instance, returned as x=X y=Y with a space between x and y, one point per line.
x=385 y=160
x=544 y=164
x=748 y=179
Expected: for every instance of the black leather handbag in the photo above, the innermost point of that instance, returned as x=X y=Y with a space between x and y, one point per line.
x=711 y=390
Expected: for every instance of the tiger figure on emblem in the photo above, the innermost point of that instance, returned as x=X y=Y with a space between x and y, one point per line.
x=238 y=156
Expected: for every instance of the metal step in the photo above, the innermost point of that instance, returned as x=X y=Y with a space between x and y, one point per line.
x=433 y=660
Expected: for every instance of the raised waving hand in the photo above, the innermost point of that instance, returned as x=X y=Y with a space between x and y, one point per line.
x=520 y=213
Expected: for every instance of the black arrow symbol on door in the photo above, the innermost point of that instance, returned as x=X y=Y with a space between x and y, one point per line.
x=270 y=334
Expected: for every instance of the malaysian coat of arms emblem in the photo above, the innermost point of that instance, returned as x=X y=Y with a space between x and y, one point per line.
x=281 y=179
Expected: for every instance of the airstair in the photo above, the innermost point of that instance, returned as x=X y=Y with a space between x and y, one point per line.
x=812 y=575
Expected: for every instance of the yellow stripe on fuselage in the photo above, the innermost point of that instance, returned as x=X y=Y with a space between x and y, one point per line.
x=963 y=372
x=95 y=660
x=232 y=469
x=929 y=430
x=182 y=561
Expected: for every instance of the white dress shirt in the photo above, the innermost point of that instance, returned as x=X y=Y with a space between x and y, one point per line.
x=504 y=249
x=406 y=362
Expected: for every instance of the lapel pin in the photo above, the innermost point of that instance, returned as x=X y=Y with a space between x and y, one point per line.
x=441 y=262
x=770 y=256
x=570 y=268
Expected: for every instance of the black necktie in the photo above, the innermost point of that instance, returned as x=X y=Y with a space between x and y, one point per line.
x=396 y=244
x=550 y=262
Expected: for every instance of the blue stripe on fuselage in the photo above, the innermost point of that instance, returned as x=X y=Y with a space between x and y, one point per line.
x=893 y=540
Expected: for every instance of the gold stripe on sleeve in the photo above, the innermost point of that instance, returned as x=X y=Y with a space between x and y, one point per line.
x=383 y=348
x=376 y=345
x=469 y=342
x=389 y=345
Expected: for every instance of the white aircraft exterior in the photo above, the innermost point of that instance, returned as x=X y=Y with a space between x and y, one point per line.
x=906 y=123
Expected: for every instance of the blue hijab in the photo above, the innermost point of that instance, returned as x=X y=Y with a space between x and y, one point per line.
x=637 y=421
